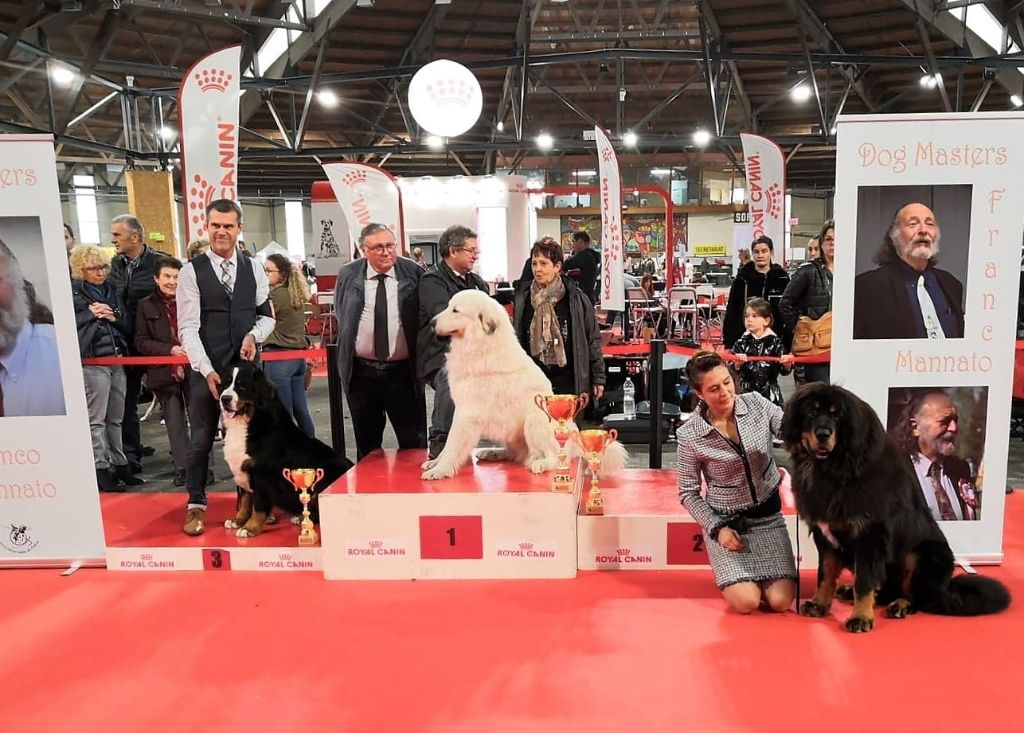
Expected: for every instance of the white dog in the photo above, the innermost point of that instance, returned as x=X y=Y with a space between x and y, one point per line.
x=493 y=383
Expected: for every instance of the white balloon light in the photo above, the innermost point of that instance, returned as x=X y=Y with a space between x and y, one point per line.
x=445 y=98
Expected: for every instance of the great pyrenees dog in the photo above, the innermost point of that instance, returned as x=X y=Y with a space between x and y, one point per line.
x=493 y=383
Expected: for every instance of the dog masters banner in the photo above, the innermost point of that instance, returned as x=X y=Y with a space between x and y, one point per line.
x=208 y=116
x=928 y=232
x=49 y=502
x=613 y=293
x=766 y=189
x=367 y=194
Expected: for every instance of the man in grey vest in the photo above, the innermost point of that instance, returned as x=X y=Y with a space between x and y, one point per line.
x=223 y=313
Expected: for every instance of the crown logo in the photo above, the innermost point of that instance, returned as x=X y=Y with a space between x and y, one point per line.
x=376 y=544
x=774 y=197
x=284 y=556
x=450 y=91
x=200 y=195
x=215 y=79
x=623 y=551
x=354 y=178
x=607 y=154
x=146 y=556
x=525 y=545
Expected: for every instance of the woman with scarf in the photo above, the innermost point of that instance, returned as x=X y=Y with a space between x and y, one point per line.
x=556 y=325
x=102 y=331
x=156 y=334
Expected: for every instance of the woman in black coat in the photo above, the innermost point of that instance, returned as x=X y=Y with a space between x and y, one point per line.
x=810 y=294
x=759 y=278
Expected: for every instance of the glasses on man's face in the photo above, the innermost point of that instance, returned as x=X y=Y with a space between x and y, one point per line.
x=473 y=252
x=97 y=268
x=382 y=248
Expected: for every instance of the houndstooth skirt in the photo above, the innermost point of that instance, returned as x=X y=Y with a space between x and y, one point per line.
x=767 y=554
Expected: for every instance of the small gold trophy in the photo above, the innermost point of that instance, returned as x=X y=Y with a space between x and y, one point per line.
x=593 y=443
x=562 y=408
x=304 y=479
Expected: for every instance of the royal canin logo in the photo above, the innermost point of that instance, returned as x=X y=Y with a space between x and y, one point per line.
x=774 y=200
x=376 y=548
x=286 y=561
x=530 y=550
x=354 y=178
x=145 y=557
x=200 y=195
x=216 y=80
x=623 y=556
x=446 y=91
x=607 y=154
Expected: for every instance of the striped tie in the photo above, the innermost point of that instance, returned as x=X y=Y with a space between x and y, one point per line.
x=225 y=275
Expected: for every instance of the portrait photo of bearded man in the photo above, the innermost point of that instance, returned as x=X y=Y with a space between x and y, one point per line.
x=30 y=379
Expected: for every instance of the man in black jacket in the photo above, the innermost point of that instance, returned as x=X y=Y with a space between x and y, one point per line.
x=907 y=296
x=583 y=265
x=459 y=250
x=132 y=273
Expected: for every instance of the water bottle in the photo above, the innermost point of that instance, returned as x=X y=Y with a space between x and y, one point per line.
x=628 y=401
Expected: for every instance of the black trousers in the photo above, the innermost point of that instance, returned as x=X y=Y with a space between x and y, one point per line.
x=376 y=394
x=204 y=414
x=131 y=431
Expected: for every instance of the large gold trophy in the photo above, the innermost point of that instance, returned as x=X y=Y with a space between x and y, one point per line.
x=562 y=408
x=304 y=479
x=593 y=443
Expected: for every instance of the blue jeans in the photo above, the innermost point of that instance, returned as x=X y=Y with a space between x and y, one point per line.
x=288 y=375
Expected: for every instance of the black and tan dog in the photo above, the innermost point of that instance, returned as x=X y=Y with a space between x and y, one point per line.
x=866 y=512
x=260 y=440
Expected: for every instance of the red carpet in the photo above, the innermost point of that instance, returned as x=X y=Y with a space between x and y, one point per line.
x=100 y=651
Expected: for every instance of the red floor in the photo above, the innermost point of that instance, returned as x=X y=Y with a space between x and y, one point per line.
x=101 y=651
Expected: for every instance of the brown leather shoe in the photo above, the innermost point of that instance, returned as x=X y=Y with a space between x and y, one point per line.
x=195 y=522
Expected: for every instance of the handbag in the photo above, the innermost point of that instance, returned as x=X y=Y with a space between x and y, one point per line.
x=813 y=336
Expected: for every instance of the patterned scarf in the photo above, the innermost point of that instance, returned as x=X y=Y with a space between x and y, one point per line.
x=545 y=337
x=171 y=307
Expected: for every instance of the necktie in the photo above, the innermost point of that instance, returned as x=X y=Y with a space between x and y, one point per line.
x=942 y=499
x=381 y=342
x=931 y=318
x=225 y=275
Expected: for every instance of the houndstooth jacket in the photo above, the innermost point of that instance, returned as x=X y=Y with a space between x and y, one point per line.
x=704 y=452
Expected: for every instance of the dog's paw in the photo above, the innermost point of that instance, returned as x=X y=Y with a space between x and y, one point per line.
x=231 y=524
x=271 y=518
x=427 y=465
x=844 y=592
x=859 y=624
x=492 y=455
x=812 y=609
x=436 y=472
x=247 y=531
x=900 y=608
x=540 y=465
x=295 y=519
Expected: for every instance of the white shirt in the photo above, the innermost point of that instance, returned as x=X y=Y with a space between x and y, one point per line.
x=30 y=374
x=190 y=306
x=921 y=466
x=364 y=336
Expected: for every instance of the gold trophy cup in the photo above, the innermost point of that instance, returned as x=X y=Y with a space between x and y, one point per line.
x=562 y=408
x=593 y=443
x=304 y=479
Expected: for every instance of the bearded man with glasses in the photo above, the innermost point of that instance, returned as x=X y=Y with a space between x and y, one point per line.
x=376 y=306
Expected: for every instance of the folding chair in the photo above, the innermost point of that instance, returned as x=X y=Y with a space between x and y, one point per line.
x=682 y=312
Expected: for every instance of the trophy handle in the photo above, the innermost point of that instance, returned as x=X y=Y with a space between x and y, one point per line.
x=541 y=402
x=287 y=474
x=319 y=475
x=612 y=435
x=582 y=400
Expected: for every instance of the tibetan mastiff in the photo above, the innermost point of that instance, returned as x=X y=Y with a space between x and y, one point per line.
x=261 y=440
x=866 y=512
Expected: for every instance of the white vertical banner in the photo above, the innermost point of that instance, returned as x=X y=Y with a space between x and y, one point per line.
x=367 y=195
x=49 y=503
x=766 y=190
x=613 y=292
x=928 y=237
x=208 y=117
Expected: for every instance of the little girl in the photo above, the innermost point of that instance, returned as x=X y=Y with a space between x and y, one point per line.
x=760 y=340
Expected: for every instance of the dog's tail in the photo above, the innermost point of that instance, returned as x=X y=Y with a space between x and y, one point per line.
x=970 y=595
x=614 y=459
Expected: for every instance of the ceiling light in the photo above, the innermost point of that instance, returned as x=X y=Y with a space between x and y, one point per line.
x=930 y=81
x=167 y=133
x=701 y=138
x=661 y=172
x=629 y=139
x=327 y=98
x=800 y=93
x=545 y=141
x=585 y=174
x=1015 y=100
x=434 y=142
x=62 y=74
x=500 y=126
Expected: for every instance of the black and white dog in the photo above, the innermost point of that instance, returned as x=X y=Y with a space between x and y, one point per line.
x=260 y=440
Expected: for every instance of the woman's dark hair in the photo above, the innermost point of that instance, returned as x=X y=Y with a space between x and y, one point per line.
x=549 y=248
x=763 y=239
x=829 y=224
x=171 y=263
x=284 y=266
x=69 y=231
x=700 y=364
x=761 y=307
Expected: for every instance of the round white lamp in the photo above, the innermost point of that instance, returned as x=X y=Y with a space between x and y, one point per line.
x=445 y=98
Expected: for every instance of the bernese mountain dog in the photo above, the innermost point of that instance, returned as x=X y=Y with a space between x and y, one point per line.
x=261 y=439
x=864 y=505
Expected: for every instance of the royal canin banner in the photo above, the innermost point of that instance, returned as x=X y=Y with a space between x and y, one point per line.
x=766 y=188
x=208 y=118
x=613 y=293
x=367 y=195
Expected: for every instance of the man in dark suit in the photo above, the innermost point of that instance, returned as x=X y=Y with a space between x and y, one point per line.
x=907 y=296
x=376 y=306
x=930 y=429
x=223 y=313
x=583 y=266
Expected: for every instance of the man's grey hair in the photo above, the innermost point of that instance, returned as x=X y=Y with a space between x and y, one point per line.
x=889 y=252
x=12 y=320
x=133 y=225
x=454 y=238
x=369 y=230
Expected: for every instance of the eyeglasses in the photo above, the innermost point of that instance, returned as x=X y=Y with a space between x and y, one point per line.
x=381 y=248
x=473 y=252
x=269 y=271
x=96 y=268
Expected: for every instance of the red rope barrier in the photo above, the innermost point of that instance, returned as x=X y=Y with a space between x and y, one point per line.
x=170 y=360
x=644 y=349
